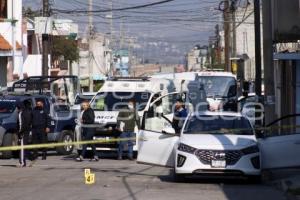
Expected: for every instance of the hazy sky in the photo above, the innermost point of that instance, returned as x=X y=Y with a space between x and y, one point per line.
x=162 y=33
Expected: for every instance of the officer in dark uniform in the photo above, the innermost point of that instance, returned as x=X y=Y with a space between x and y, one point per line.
x=88 y=130
x=24 y=127
x=40 y=128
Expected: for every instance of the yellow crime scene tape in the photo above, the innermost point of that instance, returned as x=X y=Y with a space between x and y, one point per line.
x=59 y=144
x=104 y=140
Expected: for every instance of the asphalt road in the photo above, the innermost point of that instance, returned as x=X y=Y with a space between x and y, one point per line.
x=61 y=178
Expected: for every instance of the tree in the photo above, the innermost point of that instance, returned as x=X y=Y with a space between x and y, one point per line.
x=63 y=46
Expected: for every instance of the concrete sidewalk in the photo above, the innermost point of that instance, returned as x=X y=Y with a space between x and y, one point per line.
x=287 y=180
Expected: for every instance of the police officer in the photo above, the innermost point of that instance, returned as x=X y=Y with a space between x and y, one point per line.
x=40 y=128
x=24 y=125
x=128 y=119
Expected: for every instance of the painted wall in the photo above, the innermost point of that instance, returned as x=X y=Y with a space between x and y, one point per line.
x=14 y=11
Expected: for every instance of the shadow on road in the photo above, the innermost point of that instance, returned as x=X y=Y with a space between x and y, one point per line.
x=208 y=179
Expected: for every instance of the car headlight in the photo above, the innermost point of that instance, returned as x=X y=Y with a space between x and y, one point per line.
x=186 y=148
x=250 y=150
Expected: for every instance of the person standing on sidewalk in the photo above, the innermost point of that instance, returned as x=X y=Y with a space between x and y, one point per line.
x=40 y=128
x=88 y=130
x=24 y=127
x=128 y=119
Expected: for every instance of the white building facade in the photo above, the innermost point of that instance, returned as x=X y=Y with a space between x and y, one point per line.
x=11 y=41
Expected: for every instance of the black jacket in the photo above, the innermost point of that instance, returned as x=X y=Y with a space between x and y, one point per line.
x=130 y=118
x=40 y=119
x=88 y=116
x=25 y=121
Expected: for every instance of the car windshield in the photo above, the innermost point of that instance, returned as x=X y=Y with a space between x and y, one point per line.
x=81 y=98
x=7 y=106
x=217 y=86
x=111 y=101
x=206 y=124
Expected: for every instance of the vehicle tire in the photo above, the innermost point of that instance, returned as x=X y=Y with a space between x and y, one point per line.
x=255 y=179
x=65 y=136
x=7 y=141
x=135 y=154
x=179 y=178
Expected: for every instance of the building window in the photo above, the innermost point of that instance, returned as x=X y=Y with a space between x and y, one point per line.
x=3 y=8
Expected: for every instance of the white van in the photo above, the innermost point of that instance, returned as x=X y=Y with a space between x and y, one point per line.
x=188 y=76
x=221 y=90
x=220 y=87
x=114 y=95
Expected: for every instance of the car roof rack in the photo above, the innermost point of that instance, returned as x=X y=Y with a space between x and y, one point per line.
x=118 y=78
x=38 y=83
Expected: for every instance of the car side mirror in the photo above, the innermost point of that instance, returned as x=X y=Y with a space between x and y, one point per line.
x=169 y=130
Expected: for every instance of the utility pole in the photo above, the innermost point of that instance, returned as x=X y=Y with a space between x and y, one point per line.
x=270 y=114
x=218 y=49
x=91 y=33
x=233 y=27
x=13 y=35
x=45 y=39
x=257 y=47
x=227 y=35
x=111 y=39
x=111 y=22
x=121 y=34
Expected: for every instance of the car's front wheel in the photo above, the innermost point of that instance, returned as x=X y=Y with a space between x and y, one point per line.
x=66 y=137
x=179 y=178
x=255 y=179
x=9 y=139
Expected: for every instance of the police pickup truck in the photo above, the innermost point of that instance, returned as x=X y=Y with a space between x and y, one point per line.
x=62 y=121
x=33 y=89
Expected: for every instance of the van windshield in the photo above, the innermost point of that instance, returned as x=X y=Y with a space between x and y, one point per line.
x=111 y=101
x=217 y=86
x=209 y=124
x=81 y=98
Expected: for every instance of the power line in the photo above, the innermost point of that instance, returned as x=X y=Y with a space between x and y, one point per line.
x=114 y=9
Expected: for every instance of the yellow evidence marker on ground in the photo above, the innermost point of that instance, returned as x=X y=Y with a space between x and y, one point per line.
x=89 y=177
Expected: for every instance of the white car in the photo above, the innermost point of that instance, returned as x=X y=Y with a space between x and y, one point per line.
x=195 y=153
x=208 y=144
x=218 y=143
